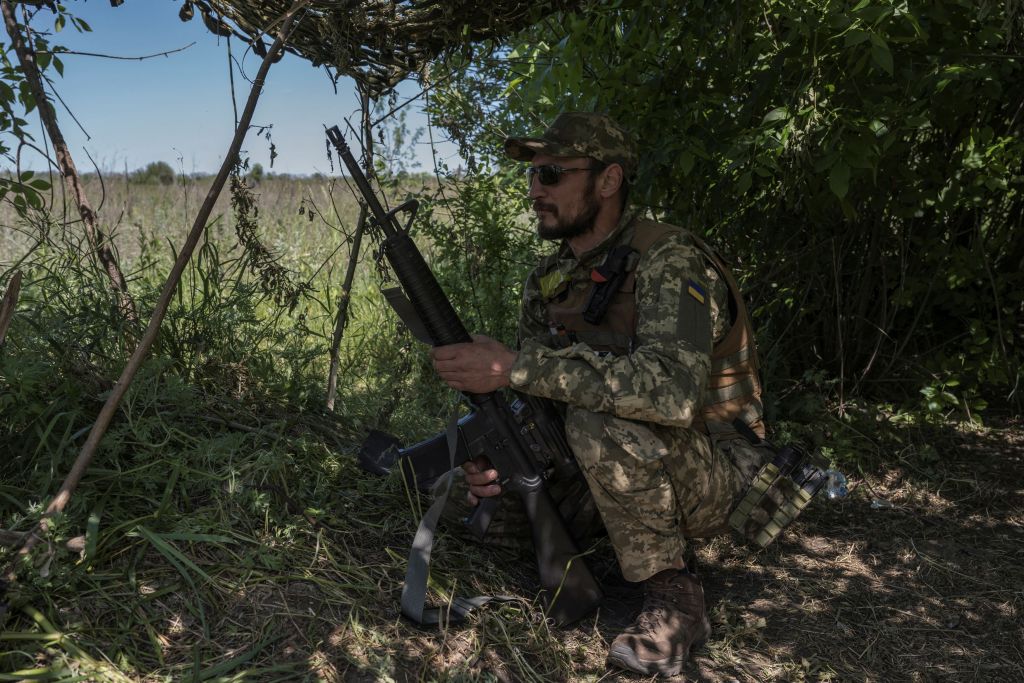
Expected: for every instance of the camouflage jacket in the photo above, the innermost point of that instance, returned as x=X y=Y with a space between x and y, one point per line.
x=663 y=379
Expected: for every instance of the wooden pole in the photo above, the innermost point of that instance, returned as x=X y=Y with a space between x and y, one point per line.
x=99 y=243
x=8 y=305
x=346 y=296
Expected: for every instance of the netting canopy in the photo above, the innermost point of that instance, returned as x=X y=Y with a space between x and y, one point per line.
x=377 y=42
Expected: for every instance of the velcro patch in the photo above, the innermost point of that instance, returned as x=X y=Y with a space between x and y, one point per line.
x=552 y=283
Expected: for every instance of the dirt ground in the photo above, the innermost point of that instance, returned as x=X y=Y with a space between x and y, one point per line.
x=917 y=576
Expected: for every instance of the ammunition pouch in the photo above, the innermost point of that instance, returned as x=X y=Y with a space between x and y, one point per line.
x=780 y=491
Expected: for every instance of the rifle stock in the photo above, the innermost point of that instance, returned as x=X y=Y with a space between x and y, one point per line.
x=567 y=586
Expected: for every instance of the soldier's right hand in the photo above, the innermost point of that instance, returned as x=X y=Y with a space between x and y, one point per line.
x=482 y=479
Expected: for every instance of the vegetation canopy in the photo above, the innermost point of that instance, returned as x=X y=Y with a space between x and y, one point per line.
x=377 y=42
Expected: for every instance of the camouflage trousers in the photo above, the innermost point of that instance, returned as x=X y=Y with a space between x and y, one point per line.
x=648 y=486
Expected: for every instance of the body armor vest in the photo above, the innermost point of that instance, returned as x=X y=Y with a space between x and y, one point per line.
x=734 y=388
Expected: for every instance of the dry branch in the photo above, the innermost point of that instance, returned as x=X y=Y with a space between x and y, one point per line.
x=346 y=296
x=8 y=305
x=99 y=243
x=109 y=408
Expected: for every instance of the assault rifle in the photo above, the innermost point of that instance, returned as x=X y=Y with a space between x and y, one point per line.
x=519 y=439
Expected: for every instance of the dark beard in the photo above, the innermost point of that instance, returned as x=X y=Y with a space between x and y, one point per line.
x=583 y=223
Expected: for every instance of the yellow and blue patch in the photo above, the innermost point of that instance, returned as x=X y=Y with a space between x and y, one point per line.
x=696 y=291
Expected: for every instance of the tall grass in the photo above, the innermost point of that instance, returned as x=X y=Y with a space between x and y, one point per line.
x=224 y=531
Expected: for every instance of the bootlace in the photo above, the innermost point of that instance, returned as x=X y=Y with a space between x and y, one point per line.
x=651 y=616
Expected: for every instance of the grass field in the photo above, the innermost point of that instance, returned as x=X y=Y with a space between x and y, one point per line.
x=224 y=532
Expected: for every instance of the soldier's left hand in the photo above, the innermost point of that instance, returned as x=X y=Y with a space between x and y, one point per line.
x=477 y=368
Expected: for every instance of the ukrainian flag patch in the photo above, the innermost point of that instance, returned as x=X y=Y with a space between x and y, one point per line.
x=696 y=291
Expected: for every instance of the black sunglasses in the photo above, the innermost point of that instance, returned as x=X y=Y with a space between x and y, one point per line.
x=550 y=174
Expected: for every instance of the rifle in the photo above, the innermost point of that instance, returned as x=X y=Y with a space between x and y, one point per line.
x=510 y=436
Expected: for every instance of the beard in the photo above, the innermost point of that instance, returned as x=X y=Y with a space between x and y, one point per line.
x=563 y=228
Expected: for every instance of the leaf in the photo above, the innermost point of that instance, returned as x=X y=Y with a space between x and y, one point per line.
x=839 y=179
x=686 y=161
x=744 y=183
x=58 y=24
x=512 y=85
x=855 y=36
x=777 y=114
x=881 y=54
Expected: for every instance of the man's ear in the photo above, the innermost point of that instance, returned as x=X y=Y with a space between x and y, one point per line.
x=611 y=180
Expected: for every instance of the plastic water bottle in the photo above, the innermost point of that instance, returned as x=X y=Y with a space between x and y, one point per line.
x=835 y=487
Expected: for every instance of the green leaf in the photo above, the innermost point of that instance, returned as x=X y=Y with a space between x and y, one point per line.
x=58 y=24
x=839 y=179
x=58 y=65
x=881 y=54
x=777 y=114
x=686 y=161
x=744 y=182
x=855 y=36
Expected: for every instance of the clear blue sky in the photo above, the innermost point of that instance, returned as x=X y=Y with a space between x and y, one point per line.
x=178 y=108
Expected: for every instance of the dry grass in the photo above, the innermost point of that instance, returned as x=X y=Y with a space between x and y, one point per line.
x=929 y=589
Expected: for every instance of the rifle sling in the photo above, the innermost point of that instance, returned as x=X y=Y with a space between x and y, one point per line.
x=414 y=592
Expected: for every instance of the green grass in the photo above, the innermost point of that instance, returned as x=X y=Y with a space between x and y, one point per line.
x=224 y=532
x=223 y=495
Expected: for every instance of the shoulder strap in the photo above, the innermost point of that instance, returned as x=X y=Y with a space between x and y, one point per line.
x=414 y=592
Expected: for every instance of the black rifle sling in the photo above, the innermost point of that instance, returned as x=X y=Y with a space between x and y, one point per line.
x=414 y=592
x=608 y=279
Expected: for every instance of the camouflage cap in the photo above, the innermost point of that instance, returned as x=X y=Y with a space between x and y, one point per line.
x=579 y=134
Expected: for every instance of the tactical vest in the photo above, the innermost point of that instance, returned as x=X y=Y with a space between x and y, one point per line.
x=734 y=388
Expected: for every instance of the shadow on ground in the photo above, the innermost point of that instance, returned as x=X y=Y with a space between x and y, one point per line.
x=917 y=576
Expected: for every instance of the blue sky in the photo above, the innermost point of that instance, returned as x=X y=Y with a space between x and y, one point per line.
x=178 y=108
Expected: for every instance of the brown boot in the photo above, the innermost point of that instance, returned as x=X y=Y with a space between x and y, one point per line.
x=672 y=620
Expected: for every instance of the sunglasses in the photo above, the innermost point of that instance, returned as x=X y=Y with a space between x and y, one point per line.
x=550 y=174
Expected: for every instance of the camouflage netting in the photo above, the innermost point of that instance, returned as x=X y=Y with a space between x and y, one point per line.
x=377 y=42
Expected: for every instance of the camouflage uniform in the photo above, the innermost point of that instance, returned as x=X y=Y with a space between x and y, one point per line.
x=654 y=480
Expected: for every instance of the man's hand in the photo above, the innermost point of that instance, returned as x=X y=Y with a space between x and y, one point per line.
x=482 y=479
x=477 y=368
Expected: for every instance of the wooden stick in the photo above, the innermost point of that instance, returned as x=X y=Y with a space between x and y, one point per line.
x=109 y=408
x=346 y=296
x=346 y=290
x=8 y=305
x=99 y=243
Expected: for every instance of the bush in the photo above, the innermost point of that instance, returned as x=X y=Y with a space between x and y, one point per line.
x=155 y=172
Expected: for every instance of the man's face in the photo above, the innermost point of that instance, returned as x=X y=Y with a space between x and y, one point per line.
x=568 y=208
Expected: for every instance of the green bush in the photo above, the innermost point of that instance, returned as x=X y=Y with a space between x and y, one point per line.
x=154 y=172
x=861 y=166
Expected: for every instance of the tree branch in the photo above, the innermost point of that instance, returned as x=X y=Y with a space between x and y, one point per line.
x=97 y=240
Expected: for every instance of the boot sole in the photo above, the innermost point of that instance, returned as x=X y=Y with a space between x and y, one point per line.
x=625 y=658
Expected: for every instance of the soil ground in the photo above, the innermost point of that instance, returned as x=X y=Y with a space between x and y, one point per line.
x=917 y=576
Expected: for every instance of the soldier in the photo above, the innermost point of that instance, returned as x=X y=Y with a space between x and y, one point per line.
x=651 y=383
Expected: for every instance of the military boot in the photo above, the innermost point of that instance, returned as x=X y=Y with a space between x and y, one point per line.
x=673 y=620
